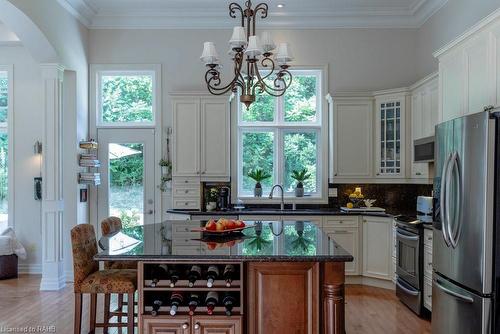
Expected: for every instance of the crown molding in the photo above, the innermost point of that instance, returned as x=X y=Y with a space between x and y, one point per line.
x=372 y=17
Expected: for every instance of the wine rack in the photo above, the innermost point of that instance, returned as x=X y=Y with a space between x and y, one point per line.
x=155 y=285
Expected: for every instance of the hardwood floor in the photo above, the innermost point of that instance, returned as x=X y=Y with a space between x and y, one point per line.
x=368 y=309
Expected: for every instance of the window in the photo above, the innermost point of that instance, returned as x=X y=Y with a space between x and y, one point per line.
x=280 y=135
x=5 y=112
x=126 y=98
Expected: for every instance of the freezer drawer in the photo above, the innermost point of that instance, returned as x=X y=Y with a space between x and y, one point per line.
x=457 y=311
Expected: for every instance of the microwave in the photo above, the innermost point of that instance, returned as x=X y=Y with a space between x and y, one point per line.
x=423 y=150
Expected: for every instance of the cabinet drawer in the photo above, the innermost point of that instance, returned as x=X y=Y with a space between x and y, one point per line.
x=186 y=181
x=428 y=237
x=158 y=325
x=428 y=293
x=186 y=192
x=428 y=262
x=341 y=221
x=186 y=203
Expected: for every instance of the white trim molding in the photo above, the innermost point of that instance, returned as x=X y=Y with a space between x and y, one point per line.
x=53 y=275
x=191 y=16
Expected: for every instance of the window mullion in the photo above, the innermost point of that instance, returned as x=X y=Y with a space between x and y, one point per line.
x=279 y=158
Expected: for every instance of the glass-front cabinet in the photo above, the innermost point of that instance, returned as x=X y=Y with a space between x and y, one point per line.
x=390 y=136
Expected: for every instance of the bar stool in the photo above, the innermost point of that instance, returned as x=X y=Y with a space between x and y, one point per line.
x=108 y=226
x=90 y=280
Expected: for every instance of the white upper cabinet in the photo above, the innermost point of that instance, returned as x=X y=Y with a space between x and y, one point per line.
x=186 y=137
x=469 y=75
x=390 y=139
x=215 y=125
x=352 y=144
x=424 y=117
x=201 y=129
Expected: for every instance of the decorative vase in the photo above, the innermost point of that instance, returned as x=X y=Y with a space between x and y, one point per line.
x=257 y=191
x=299 y=190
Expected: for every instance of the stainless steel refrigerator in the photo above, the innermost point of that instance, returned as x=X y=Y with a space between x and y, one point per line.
x=466 y=245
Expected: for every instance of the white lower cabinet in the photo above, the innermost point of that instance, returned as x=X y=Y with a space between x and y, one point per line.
x=347 y=238
x=377 y=247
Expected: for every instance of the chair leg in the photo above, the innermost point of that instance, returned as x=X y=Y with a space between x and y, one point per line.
x=120 y=309
x=93 y=306
x=107 y=298
x=130 y=313
x=78 y=314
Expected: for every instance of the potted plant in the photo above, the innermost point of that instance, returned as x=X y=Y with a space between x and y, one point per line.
x=300 y=177
x=211 y=199
x=258 y=175
x=165 y=167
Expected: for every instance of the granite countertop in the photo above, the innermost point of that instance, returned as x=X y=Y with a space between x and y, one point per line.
x=286 y=212
x=288 y=241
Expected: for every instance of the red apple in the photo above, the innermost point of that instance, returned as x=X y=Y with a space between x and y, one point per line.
x=211 y=225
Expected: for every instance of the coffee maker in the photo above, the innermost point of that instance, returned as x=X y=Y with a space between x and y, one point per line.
x=224 y=199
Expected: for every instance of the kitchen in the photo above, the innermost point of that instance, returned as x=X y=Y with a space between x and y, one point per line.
x=347 y=179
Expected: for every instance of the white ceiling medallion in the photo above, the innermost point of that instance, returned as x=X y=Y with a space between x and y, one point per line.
x=295 y=14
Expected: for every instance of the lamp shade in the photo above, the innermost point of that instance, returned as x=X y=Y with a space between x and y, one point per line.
x=284 y=54
x=266 y=40
x=209 y=55
x=239 y=38
x=253 y=49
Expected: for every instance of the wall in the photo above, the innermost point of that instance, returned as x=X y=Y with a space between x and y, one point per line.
x=70 y=39
x=6 y=35
x=453 y=19
x=28 y=116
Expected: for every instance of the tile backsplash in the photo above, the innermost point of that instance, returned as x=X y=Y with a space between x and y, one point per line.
x=392 y=197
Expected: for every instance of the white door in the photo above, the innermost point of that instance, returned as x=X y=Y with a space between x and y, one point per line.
x=127 y=175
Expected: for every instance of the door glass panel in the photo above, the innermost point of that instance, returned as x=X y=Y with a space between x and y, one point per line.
x=4 y=148
x=126 y=182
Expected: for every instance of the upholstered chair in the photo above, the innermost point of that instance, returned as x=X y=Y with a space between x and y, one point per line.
x=90 y=280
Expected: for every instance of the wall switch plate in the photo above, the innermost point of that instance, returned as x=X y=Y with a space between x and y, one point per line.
x=332 y=192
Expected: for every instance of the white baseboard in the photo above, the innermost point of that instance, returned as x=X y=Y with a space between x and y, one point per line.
x=376 y=282
x=52 y=284
x=69 y=276
x=30 y=268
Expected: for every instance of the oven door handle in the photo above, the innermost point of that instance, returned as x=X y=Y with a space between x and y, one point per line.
x=406 y=237
x=406 y=290
x=457 y=295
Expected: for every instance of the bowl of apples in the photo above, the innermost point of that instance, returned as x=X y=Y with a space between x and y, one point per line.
x=222 y=226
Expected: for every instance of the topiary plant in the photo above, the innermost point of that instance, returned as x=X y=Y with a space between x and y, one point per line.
x=258 y=175
x=300 y=177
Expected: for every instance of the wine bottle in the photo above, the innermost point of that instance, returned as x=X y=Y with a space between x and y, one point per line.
x=229 y=301
x=194 y=301
x=157 y=303
x=158 y=272
x=212 y=274
x=194 y=275
x=174 y=276
x=175 y=300
x=228 y=274
x=211 y=301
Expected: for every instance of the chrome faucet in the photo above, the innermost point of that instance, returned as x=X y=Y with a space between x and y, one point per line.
x=282 y=195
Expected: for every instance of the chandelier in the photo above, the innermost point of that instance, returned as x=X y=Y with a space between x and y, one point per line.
x=255 y=70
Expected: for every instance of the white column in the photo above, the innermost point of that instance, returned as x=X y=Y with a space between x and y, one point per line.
x=53 y=277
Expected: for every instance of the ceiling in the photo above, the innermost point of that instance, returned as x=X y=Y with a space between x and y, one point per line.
x=214 y=13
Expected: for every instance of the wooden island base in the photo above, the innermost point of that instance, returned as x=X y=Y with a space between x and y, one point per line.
x=276 y=298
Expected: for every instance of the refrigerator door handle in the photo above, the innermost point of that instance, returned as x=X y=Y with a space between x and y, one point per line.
x=454 y=171
x=442 y=201
x=457 y=295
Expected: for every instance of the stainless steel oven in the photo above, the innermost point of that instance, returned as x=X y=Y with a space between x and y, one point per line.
x=409 y=262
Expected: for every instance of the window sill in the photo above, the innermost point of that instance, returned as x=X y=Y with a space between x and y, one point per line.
x=277 y=200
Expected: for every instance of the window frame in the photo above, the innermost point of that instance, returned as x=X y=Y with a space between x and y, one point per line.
x=8 y=128
x=100 y=70
x=280 y=129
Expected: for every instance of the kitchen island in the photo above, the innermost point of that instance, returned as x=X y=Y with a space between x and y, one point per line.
x=286 y=277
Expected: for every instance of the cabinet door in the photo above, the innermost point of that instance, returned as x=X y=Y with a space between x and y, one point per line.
x=215 y=139
x=452 y=77
x=477 y=71
x=283 y=296
x=420 y=103
x=390 y=138
x=217 y=325
x=177 y=325
x=353 y=140
x=377 y=250
x=347 y=238
x=430 y=112
x=495 y=37
x=186 y=137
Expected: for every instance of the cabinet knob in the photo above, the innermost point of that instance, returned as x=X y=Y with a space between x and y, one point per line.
x=336 y=174
x=185 y=325
x=197 y=325
x=186 y=191
x=186 y=203
x=185 y=181
x=418 y=173
x=203 y=172
x=378 y=174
